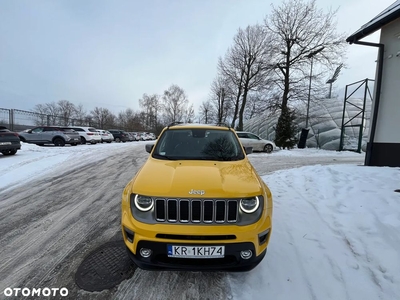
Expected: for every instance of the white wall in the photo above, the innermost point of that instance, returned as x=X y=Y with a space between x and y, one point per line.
x=388 y=125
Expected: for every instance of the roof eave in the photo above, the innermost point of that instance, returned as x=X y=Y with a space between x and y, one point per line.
x=360 y=34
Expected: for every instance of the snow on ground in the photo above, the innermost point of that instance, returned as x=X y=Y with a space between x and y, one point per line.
x=335 y=236
x=33 y=161
x=335 y=232
x=312 y=152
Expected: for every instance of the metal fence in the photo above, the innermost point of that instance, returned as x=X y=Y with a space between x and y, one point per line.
x=18 y=120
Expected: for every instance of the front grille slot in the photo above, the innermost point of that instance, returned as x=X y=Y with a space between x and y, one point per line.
x=196 y=210
x=172 y=215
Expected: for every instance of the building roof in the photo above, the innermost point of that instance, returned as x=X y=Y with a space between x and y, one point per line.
x=385 y=17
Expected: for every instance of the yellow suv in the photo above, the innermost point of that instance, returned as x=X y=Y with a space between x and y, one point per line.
x=197 y=203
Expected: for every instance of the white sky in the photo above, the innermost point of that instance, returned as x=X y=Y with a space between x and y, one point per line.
x=335 y=228
x=109 y=53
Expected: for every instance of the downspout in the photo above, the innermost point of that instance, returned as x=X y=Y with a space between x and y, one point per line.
x=368 y=155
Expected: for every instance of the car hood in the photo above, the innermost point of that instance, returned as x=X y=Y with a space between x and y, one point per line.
x=204 y=179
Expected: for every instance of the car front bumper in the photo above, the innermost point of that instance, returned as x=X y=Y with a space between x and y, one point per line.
x=234 y=238
x=231 y=261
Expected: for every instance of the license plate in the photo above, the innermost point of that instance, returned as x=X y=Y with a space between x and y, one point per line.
x=5 y=143
x=196 y=251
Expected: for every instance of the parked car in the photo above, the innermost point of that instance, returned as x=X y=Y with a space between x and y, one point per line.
x=9 y=141
x=131 y=137
x=207 y=208
x=87 y=134
x=106 y=136
x=135 y=136
x=50 y=135
x=249 y=139
x=119 y=135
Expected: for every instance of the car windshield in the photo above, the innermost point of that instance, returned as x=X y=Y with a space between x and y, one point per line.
x=198 y=144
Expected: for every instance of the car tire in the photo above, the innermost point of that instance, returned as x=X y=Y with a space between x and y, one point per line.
x=118 y=140
x=83 y=140
x=268 y=148
x=22 y=139
x=59 y=142
x=9 y=152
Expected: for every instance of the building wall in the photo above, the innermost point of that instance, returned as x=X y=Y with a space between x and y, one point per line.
x=388 y=124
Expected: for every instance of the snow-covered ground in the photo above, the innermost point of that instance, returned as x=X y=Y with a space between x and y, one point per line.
x=336 y=228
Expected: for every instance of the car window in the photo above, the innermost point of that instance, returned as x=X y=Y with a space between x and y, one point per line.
x=253 y=136
x=50 y=129
x=37 y=129
x=198 y=144
x=242 y=135
x=67 y=130
x=92 y=129
x=78 y=129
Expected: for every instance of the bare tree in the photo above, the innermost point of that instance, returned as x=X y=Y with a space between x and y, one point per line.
x=251 y=46
x=41 y=114
x=246 y=66
x=189 y=115
x=221 y=97
x=103 y=117
x=175 y=103
x=66 y=110
x=152 y=107
x=80 y=115
x=302 y=35
x=206 y=112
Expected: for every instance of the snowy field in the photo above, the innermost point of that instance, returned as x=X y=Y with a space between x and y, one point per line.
x=336 y=231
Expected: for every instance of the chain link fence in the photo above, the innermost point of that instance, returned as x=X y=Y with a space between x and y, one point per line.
x=18 y=120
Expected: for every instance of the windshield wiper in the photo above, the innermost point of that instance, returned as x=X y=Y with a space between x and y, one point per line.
x=155 y=155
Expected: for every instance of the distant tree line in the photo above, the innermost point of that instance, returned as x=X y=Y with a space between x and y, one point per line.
x=156 y=112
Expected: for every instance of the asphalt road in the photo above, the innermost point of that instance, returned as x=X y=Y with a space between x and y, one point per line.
x=48 y=226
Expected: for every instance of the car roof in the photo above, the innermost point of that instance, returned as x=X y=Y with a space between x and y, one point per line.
x=197 y=125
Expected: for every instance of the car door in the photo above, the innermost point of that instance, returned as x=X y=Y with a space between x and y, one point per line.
x=35 y=135
x=48 y=134
x=258 y=145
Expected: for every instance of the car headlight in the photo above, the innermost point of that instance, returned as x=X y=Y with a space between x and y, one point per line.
x=143 y=203
x=249 y=205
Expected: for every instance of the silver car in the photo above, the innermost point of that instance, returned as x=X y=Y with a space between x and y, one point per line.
x=50 y=135
x=249 y=139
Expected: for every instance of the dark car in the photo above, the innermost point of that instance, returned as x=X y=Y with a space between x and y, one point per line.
x=119 y=135
x=9 y=141
x=50 y=135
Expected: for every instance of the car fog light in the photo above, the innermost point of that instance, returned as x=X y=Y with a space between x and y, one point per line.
x=144 y=252
x=246 y=254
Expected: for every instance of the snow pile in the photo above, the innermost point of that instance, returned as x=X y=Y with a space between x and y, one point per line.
x=335 y=236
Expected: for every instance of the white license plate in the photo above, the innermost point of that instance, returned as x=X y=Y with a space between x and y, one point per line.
x=196 y=251
x=5 y=143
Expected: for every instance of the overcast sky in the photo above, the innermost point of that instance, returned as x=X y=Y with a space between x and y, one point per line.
x=109 y=53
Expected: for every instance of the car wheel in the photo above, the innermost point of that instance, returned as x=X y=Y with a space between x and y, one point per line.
x=268 y=148
x=22 y=139
x=59 y=142
x=118 y=140
x=9 y=152
x=83 y=140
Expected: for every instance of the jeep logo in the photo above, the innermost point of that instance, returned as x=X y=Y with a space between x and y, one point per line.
x=197 y=192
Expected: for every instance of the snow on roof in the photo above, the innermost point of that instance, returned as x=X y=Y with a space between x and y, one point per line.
x=385 y=17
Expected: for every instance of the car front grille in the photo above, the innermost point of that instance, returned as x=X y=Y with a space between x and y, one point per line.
x=196 y=210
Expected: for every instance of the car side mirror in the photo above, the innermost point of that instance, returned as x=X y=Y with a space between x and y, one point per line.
x=149 y=147
x=248 y=150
